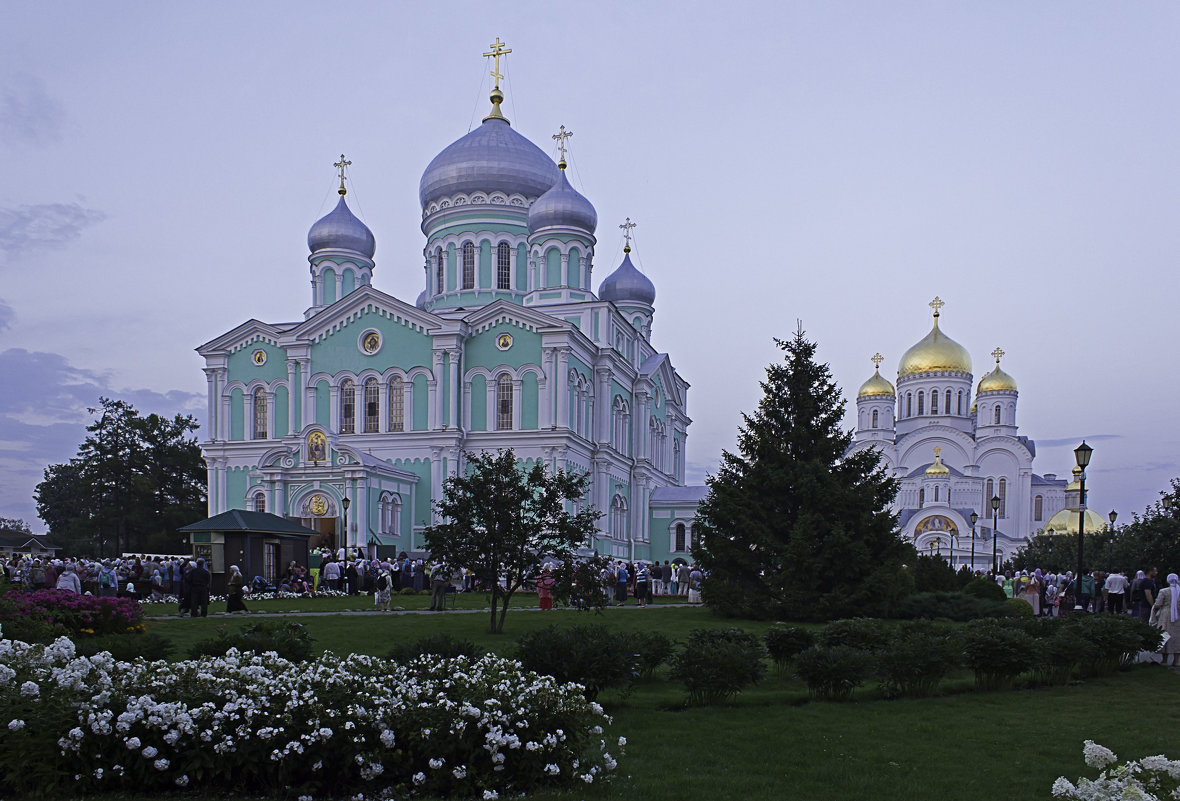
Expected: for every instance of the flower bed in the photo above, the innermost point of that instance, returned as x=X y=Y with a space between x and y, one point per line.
x=247 y=723
x=71 y=613
x=1152 y=778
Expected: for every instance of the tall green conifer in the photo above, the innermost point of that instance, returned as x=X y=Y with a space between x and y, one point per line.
x=795 y=527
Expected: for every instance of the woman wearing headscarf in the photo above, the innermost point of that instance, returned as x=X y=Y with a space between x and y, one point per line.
x=1166 y=616
x=68 y=580
x=235 y=587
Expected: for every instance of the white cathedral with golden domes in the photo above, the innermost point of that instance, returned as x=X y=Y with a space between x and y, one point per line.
x=953 y=451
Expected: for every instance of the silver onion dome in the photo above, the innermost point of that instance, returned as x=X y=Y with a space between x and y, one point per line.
x=339 y=229
x=627 y=283
x=562 y=206
x=421 y=301
x=490 y=158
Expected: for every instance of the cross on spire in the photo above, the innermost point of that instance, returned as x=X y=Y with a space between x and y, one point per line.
x=498 y=50
x=937 y=304
x=627 y=226
x=998 y=354
x=560 y=137
x=340 y=165
x=876 y=359
x=937 y=453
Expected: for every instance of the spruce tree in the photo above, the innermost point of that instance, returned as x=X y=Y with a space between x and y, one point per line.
x=795 y=526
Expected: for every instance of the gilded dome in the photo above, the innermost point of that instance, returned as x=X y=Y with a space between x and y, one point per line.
x=997 y=381
x=1076 y=484
x=875 y=387
x=1066 y=522
x=935 y=352
x=938 y=468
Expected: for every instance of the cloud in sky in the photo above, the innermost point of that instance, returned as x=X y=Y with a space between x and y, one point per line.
x=28 y=114
x=43 y=418
x=1075 y=441
x=45 y=225
x=7 y=315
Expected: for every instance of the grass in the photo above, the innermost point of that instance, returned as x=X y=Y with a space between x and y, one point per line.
x=774 y=742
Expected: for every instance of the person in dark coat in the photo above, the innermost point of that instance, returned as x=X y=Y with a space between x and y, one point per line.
x=198 y=582
x=186 y=590
x=352 y=578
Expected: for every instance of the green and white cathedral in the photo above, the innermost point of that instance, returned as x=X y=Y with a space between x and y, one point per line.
x=362 y=409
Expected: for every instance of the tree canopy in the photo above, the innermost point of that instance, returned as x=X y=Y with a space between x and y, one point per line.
x=794 y=526
x=135 y=481
x=501 y=518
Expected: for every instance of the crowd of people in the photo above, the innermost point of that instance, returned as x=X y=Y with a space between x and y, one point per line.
x=644 y=581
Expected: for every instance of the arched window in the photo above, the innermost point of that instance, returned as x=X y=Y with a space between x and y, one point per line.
x=397 y=404
x=988 y=494
x=1038 y=508
x=997 y=415
x=260 y=413
x=347 y=407
x=680 y=535
x=959 y=405
x=618 y=518
x=934 y=401
x=260 y=502
x=619 y=428
x=504 y=403
x=921 y=403
x=390 y=508
x=468 y=265
x=874 y=424
x=372 y=406
x=440 y=271
x=921 y=497
x=503 y=266
x=948 y=402
x=936 y=493
x=1003 y=497
x=909 y=404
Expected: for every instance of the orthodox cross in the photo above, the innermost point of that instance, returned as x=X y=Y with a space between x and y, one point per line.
x=998 y=354
x=561 y=136
x=937 y=304
x=340 y=165
x=876 y=359
x=627 y=226
x=498 y=50
x=937 y=452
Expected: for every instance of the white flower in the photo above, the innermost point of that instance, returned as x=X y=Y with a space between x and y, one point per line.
x=1098 y=756
x=1063 y=788
x=490 y=795
x=181 y=781
x=622 y=742
x=149 y=752
x=132 y=743
x=160 y=764
x=552 y=769
x=419 y=778
x=16 y=725
x=435 y=764
x=304 y=798
x=30 y=690
x=388 y=738
x=459 y=772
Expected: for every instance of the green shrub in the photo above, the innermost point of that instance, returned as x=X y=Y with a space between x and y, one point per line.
x=1015 y=607
x=290 y=641
x=717 y=664
x=1058 y=654
x=444 y=645
x=832 y=672
x=957 y=606
x=1112 y=640
x=591 y=655
x=125 y=647
x=32 y=630
x=985 y=588
x=862 y=633
x=997 y=652
x=784 y=643
x=407 y=591
x=653 y=649
x=916 y=660
x=932 y=574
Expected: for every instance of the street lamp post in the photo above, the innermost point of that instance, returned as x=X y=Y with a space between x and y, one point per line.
x=974 y=520
x=345 y=503
x=1082 y=453
x=1113 y=517
x=995 y=526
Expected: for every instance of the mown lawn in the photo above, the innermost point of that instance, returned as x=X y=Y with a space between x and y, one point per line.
x=774 y=743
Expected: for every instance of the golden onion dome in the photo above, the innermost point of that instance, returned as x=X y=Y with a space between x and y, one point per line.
x=1066 y=522
x=938 y=468
x=1076 y=484
x=876 y=386
x=935 y=352
x=997 y=380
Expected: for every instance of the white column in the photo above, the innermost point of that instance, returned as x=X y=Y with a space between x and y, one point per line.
x=602 y=432
x=561 y=386
x=339 y=283
x=466 y=405
x=358 y=407
x=224 y=420
x=211 y=383
x=565 y=269
x=517 y=402
x=221 y=482
x=493 y=409
x=293 y=393
x=362 y=513
x=453 y=400
x=546 y=386
x=436 y=392
x=436 y=480
x=383 y=406
x=334 y=406
x=408 y=406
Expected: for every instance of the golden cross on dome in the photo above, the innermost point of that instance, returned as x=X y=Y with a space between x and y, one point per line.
x=340 y=165
x=876 y=359
x=561 y=136
x=998 y=354
x=627 y=226
x=937 y=453
x=937 y=304
x=498 y=50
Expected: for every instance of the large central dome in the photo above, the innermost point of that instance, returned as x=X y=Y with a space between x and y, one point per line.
x=935 y=352
x=491 y=158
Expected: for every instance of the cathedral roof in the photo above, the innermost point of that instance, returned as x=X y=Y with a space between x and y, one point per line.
x=935 y=352
x=339 y=229
x=493 y=157
x=562 y=206
x=627 y=283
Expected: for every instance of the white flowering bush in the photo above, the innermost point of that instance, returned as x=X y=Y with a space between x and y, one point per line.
x=254 y=723
x=1153 y=778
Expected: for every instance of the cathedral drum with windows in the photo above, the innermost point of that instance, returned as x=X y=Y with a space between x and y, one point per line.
x=351 y=419
x=953 y=452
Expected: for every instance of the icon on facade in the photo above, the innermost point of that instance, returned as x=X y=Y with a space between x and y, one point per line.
x=318 y=505
x=371 y=343
x=504 y=341
x=317 y=447
x=259 y=357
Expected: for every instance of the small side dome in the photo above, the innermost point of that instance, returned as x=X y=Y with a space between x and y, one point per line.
x=876 y=387
x=421 y=301
x=997 y=381
x=938 y=468
x=339 y=229
x=627 y=284
x=562 y=206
